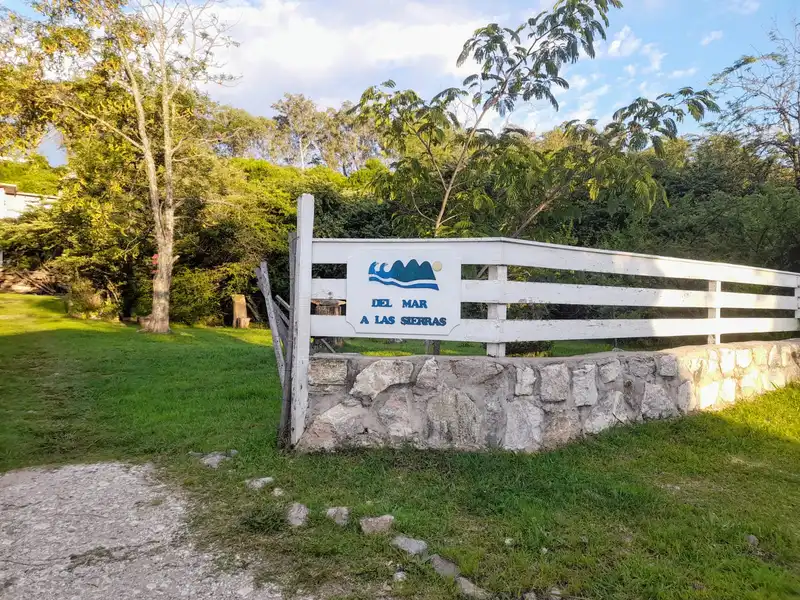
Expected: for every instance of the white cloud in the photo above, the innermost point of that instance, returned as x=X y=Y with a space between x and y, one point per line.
x=743 y=7
x=630 y=70
x=624 y=43
x=286 y=46
x=711 y=37
x=655 y=56
x=681 y=73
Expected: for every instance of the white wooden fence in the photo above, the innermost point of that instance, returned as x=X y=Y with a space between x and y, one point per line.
x=498 y=292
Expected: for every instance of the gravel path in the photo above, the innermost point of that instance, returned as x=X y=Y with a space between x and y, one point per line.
x=104 y=532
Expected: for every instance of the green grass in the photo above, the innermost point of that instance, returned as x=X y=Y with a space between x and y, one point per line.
x=371 y=347
x=657 y=511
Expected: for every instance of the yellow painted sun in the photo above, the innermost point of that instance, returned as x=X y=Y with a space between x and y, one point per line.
x=437 y=266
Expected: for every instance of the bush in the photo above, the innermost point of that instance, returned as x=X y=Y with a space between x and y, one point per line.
x=195 y=297
x=86 y=302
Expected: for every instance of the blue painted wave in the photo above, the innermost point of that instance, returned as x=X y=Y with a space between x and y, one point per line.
x=411 y=275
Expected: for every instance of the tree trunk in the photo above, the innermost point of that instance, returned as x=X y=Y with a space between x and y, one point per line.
x=158 y=320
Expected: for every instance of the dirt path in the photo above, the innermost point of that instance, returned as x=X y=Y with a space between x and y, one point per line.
x=104 y=532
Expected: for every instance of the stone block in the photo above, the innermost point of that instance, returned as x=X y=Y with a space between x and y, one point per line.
x=667 y=365
x=786 y=356
x=453 y=420
x=555 y=383
x=297 y=515
x=760 y=354
x=712 y=365
x=584 y=385
x=708 y=394
x=610 y=371
x=744 y=357
x=339 y=515
x=444 y=567
x=523 y=425
x=727 y=391
x=727 y=361
x=395 y=414
x=641 y=366
x=410 y=545
x=475 y=371
x=560 y=427
x=656 y=403
x=685 y=397
x=428 y=377
x=526 y=378
x=373 y=525
x=774 y=359
x=609 y=411
x=750 y=383
x=381 y=375
x=327 y=371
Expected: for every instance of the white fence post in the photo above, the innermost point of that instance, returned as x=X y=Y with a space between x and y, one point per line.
x=497 y=312
x=301 y=323
x=716 y=311
x=797 y=298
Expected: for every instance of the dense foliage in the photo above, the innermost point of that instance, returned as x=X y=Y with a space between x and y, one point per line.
x=397 y=164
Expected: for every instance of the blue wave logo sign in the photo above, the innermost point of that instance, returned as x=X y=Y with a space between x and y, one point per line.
x=410 y=276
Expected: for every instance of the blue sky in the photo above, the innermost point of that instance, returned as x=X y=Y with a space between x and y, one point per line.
x=331 y=50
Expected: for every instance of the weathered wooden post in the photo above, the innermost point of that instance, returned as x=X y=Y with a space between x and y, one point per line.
x=715 y=310
x=240 y=319
x=330 y=308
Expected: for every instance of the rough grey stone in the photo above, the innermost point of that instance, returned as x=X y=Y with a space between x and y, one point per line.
x=667 y=365
x=107 y=530
x=610 y=371
x=278 y=492
x=396 y=416
x=428 y=377
x=523 y=425
x=444 y=567
x=475 y=370
x=400 y=576
x=530 y=596
x=297 y=515
x=340 y=426
x=786 y=356
x=215 y=459
x=470 y=590
x=641 y=366
x=257 y=484
x=372 y=525
x=728 y=391
x=380 y=375
x=656 y=403
x=685 y=397
x=760 y=354
x=608 y=412
x=555 y=382
x=410 y=545
x=526 y=378
x=453 y=420
x=560 y=427
x=707 y=394
x=327 y=371
x=339 y=515
x=751 y=540
x=584 y=386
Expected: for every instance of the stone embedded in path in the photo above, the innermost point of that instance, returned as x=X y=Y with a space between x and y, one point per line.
x=470 y=590
x=339 y=515
x=410 y=545
x=215 y=459
x=444 y=567
x=297 y=515
x=751 y=540
x=400 y=576
x=257 y=484
x=370 y=525
x=278 y=492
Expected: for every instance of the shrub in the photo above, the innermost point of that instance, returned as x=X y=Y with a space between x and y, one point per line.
x=195 y=297
x=86 y=302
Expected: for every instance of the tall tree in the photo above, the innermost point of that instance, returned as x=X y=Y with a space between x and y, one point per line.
x=764 y=109
x=438 y=147
x=301 y=122
x=131 y=71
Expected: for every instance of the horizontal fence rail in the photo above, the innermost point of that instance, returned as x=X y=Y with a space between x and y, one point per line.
x=497 y=293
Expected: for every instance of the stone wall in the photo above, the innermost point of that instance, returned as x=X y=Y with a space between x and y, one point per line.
x=527 y=404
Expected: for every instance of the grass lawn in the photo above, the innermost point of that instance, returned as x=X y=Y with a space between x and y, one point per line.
x=656 y=511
